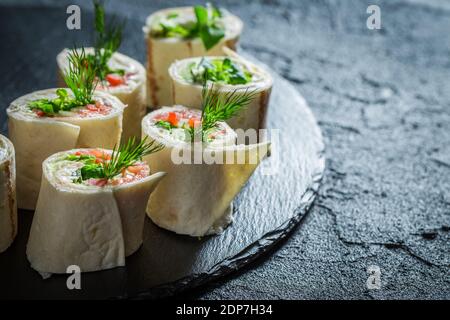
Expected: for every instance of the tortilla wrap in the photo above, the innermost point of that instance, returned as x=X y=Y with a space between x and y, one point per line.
x=35 y=138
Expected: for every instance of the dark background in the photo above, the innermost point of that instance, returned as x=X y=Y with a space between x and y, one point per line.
x=382 y=99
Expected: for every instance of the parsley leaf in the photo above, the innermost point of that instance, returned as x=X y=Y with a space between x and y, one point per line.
x=223 y=71
x=209 y=31
x=165 y=124
x=92 y=171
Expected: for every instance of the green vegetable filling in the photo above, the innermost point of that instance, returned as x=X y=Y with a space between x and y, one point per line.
x=206 y=26
x=222 y=71
x=52 y=107
x=165 y=125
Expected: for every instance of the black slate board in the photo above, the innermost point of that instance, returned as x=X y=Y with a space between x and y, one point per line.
x=265 y=211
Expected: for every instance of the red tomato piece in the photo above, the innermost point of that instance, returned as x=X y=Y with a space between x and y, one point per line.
x=135 y=169
x=194 y=122
x=114 y=79
x=172 y=118
x=40 y=113
x=101 y=182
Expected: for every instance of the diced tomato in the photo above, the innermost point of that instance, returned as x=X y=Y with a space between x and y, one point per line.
x=40 y=113
x=135 y=169
x=194 y=122
x=172 y=118
x=114 y=79
x=97 y=153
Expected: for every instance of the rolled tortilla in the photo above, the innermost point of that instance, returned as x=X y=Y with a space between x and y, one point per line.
x=35 y=138
x=196 y=198
x=132 y=93
x=188 y=93
x=91 y=226
x=161 y=52
x=8 y=205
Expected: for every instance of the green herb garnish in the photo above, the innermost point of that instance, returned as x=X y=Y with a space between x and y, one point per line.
x=165 y=125
x=219 y=70
x=209 y=31
x=83 y=158
x=127 y=154
x=108 y=40
x=92 y=171
x=206 y=26
x=218 y=106
x=80 y=78
x=121 y=158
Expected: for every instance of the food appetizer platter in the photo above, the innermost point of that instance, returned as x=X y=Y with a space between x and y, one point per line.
x=126 y=81
x=183 y=203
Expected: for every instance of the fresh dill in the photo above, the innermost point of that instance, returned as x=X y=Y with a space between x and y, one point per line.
x=122 y=157
x=108 y=40
x=221 y=106
x=127 y=154
x=79 y=78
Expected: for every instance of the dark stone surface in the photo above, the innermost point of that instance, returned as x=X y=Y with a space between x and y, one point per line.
x=382 y=99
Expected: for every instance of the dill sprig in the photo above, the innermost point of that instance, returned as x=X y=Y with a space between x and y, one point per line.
x=108 y=40
x=218 y=106
x=80 y=77
x=121 y=158
x=127 y=154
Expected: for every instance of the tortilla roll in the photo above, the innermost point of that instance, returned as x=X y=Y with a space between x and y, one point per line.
x=130 y=88
x=8 y=205
x=161 y=52
x=187 y=92
x=36 y=137
x=196 y=199
x=92 y=224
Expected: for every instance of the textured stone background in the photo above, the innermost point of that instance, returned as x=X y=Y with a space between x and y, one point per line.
x=382 y=99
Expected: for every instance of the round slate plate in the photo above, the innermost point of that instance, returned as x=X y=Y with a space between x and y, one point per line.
x=265 y=211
